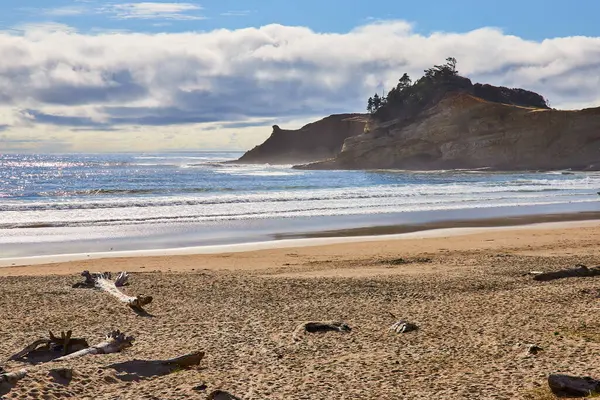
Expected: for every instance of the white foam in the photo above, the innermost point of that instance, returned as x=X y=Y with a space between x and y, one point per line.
x=286 y=243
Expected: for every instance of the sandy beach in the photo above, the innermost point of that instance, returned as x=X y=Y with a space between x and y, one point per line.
x=467 y=293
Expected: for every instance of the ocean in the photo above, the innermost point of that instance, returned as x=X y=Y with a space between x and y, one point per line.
x=60 y=204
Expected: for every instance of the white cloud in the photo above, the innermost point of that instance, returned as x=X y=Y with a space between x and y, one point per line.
x=241 y=13
x=59 y=80
x=65 y=11
x=34 y=28
x=154 y=10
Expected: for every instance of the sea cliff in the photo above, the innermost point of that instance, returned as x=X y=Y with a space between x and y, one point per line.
x=316 y=141
x=464 y=131
x=443 y=121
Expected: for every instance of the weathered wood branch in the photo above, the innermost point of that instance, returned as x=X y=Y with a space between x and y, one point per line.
x=12 y=377
x=137 y=303
x=579 y=271
x=573 y=385
x=65 y=344
x=403 y=326
x=122 y=279
x=532 y=273
x=30 y=348
x=90 y=279
x=103 y=281
x=114 y=343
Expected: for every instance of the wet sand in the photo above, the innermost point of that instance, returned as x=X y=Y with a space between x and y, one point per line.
x=467 y=294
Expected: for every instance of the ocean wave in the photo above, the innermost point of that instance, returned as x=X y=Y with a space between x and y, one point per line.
x=122 y=189
x=108 y=192
x=100 y=192
x=259 y=173
x=401 y=193
x=265 y=214
x=33 y=164
x=150 y=164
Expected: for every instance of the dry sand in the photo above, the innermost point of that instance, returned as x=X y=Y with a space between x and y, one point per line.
x=466 y=293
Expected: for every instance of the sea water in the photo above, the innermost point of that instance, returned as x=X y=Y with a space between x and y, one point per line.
x=52 y=204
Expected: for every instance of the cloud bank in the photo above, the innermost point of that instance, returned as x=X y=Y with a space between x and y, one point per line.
x=151 y=10
x=63 y=80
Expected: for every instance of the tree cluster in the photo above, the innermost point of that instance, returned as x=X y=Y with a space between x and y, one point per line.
x=406 y=91
x=409 y=98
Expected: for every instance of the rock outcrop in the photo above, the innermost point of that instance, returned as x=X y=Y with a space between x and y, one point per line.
x=316 y=141
x=462 y=130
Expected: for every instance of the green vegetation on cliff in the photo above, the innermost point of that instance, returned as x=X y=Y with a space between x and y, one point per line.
x=408 y=99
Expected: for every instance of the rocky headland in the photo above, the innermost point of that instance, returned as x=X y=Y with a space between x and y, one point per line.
x=316 y=141
x=444 y=121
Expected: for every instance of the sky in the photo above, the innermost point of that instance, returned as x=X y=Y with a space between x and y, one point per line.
x=96 y=75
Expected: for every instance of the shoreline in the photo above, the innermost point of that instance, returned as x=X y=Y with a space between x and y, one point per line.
x=493 y=222
x=48 y=242
x=390 y=233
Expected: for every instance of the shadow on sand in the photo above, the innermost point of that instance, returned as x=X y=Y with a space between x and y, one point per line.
x=136 y=370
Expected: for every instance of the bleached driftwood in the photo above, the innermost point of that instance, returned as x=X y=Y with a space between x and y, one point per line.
x=29 y=348
x=573 y=385
x=65 y=344
x=122 y=279
x=90 y=279
x=104 y=283
x=314 y=327
x=579 y=271
x=11 y=378
x=114 y=343
x=532 y=273
x=403 y=326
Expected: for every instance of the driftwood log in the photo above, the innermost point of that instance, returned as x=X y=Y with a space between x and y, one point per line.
x=315 y=327
x=114 y=343
x=403 y=326
x=580 y=270
x=573 y=385
x=10 y=378
x=103 y=281
x=64 y=345
x=90 y=279
x=137 y=303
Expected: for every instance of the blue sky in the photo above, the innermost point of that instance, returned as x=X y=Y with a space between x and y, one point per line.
x=111 y=75
x=530 y=19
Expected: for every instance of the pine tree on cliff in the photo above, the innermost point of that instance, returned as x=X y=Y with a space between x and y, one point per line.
x=404 y=82
x=442 y=71
x=376 y=102
x=370 y=105
x=451 y=63
x=409 y=98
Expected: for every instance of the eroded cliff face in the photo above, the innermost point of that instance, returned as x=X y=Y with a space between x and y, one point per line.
x=464 y=131
x=316 y=141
